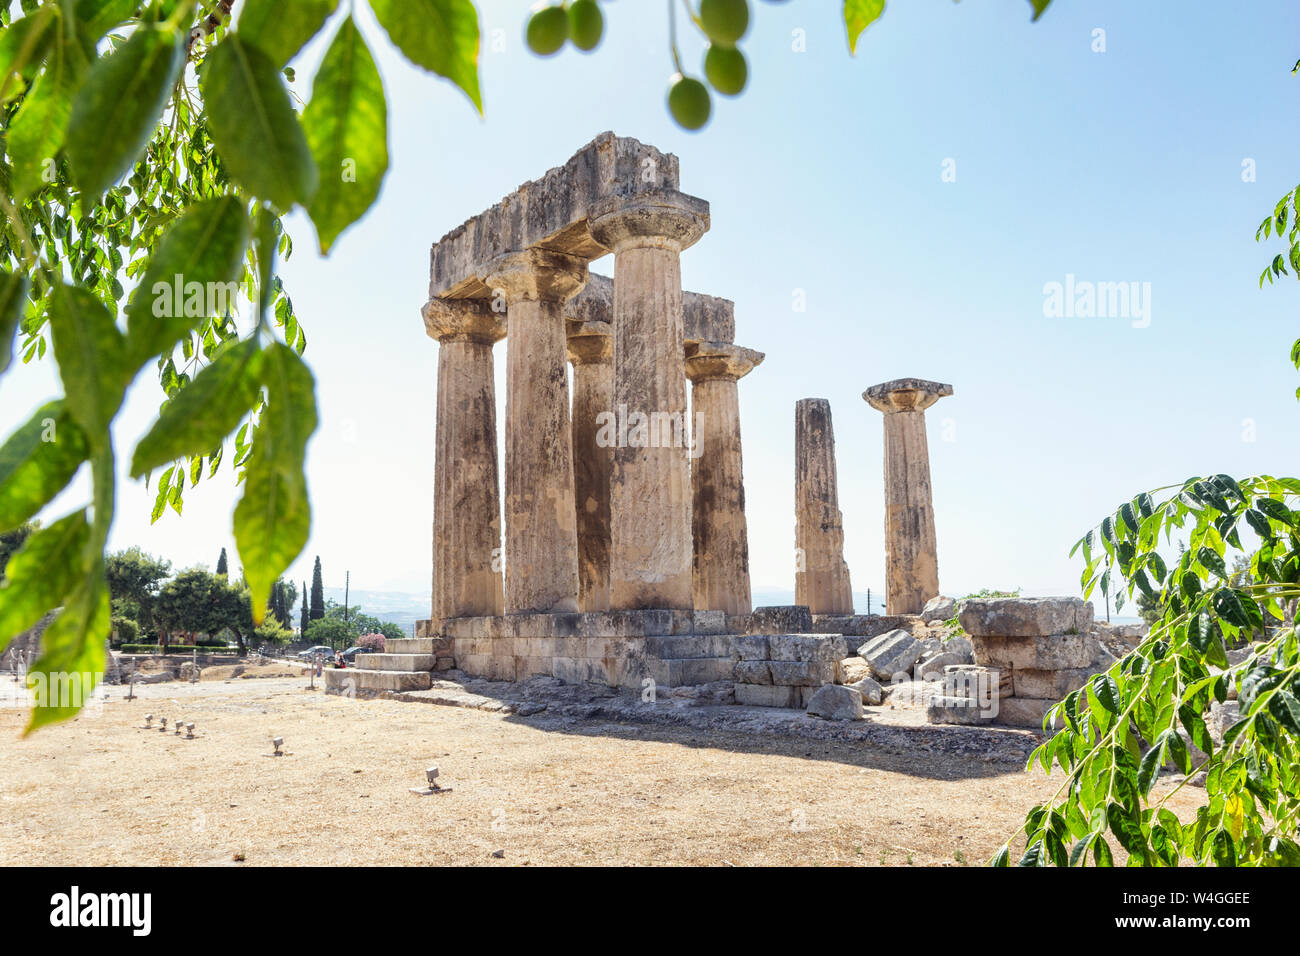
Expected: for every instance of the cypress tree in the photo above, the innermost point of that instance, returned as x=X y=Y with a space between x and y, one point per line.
x=223 y=568
x=317 y=593
x=304 y=620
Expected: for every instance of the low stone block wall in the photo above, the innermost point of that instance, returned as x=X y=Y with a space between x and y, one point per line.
x=670 y=648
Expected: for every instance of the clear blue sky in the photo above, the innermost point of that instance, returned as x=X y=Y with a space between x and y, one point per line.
x=826 y=176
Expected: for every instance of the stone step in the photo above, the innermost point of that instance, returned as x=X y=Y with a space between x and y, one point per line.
x=689 y=646
x=684 y=672
x=415 y=645
x=355 y=682
x=400 y=662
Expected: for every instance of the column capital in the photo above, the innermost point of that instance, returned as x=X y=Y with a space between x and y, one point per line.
x=536 y=275
x=450 y=320
x=664 y=219
x=905 y=395
x=590 y=343
x=719 y=360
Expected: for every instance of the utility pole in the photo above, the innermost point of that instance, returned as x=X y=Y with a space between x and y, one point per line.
x=347 y=587
x=868 y=602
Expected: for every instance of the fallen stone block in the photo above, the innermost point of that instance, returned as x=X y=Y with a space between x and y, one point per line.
x=891 y=653
x=853 y=669
x=933 y=668
x=1024 y=617
x=872 y=693
x=939 y=608
x=960 y=645
x=956 y=710
x=1052 y=652
x=860 y=625
x=835 y=702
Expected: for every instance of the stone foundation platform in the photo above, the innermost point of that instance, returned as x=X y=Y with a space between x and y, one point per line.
x=636 y=650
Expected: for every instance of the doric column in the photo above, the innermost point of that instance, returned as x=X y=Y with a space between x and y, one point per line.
x=466 y=507
x=717 y=480
x=821 y=579
x=591 y=350
x=541 y=529
x=911 y=555
x=651 y=552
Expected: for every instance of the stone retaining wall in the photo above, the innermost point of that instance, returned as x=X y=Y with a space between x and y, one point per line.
x=1029 y=654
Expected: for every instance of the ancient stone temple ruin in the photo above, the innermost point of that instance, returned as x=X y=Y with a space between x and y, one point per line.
x=624 y=555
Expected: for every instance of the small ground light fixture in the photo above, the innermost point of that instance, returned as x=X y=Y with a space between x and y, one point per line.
x=277 y=743
x=189 y=730
x=148 y=721
x=431 y=774
x=162 y=725
x=179 y=727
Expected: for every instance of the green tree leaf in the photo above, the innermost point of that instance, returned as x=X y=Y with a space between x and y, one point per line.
x=22 y=47
x=254 y=125
x=347 y=129
x=13 y=300
x=203 y=252
x=203 y=413
x=42 y=573
x=37 y=462
x=117 y=107
x=39 y=128
x=439 y=35
x=273 y=518
x=283 y=27
x=91 y=355
x=72 y=652
x=858 y=15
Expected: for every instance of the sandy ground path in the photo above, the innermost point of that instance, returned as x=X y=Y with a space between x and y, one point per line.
x=102 y=790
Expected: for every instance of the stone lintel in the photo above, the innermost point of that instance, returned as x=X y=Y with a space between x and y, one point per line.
x=705 y=318
x=463 y=319
x=550 y=212
x=719 y=360
x=905 y=395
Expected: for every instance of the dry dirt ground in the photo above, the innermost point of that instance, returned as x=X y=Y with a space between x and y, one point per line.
x=101 y=790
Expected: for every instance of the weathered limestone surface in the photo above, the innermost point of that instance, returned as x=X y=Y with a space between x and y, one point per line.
x=591 y=350
x=821 y=578
x=776 y=619
x=911 y=555
x=652 y=553
x=1025 y=617
x=721 y=538
x=466 y=507
x=1029 y=653
x=833 y=702
x=550 y=212
x=541 y=523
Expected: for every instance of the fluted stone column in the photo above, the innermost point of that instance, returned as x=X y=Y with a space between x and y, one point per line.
x=717 y=479
x=911 y=555
x=541 y=528
x=466 y=507
x=591 y=350
x=652 y=552
x=821 y=578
